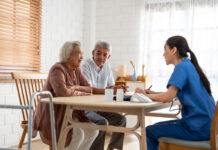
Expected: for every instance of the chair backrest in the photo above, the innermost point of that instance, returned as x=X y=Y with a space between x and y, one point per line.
x=214 y=128
x=28 y=83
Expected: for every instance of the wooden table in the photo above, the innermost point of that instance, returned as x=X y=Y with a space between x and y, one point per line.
x=97 y=103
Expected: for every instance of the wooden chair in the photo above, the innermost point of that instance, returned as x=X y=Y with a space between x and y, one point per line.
x=27 y=83
x=176 y=144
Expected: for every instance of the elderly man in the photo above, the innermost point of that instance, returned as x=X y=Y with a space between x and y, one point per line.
x=98 y=72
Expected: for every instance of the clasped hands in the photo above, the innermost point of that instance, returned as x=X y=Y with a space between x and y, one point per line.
x=120 y=86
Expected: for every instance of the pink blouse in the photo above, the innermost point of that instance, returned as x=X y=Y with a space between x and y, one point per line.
x=59 y=82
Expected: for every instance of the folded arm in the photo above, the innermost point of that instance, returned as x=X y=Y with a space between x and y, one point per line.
x=60 y=88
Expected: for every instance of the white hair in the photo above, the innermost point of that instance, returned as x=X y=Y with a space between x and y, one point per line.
x=104 y=45
x=66 y=50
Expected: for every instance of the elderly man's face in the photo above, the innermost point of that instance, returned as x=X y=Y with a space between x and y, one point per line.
x=100 y=56
x=75 y=57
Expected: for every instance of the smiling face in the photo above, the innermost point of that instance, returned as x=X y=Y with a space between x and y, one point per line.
x=75 y=57
x=100 y=56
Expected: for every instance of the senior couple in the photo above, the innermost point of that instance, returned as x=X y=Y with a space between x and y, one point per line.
x=68 y=78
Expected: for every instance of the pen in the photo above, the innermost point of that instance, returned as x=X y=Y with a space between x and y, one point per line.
x=149 y=87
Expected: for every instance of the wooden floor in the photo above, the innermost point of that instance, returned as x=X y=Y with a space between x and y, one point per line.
x=130 y=143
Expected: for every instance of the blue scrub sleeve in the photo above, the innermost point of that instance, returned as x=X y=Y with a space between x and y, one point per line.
x=178 y=77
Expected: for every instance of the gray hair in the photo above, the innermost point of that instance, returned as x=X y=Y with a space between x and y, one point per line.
x=104 y=45
x=66 y=50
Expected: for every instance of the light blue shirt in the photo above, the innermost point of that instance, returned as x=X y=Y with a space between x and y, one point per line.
x=96 y=76
x=197 y=105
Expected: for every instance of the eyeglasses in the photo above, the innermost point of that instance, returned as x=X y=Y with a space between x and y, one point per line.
x=175 y=99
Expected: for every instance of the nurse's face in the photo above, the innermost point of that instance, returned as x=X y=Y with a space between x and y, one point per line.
x=168 y=55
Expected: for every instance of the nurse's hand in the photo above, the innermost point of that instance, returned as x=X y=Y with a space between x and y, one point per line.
x=138 y=90
x=149 y=92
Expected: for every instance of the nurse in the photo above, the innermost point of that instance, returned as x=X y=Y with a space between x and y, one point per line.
x=189 y=83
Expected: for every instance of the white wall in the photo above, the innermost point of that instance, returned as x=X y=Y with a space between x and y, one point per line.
x=61 y=21
x=116 y=21
x=89 y=27
x=9 y=119
x=120 y=23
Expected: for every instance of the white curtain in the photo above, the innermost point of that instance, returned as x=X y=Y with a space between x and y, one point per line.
x=196 y=20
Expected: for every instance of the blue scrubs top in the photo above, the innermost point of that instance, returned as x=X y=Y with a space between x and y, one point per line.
x=197 y=105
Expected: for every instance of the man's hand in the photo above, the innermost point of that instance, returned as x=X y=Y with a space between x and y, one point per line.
x=121 y=86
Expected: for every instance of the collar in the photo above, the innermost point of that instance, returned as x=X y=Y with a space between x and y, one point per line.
x=96 y=67
x=70 y=70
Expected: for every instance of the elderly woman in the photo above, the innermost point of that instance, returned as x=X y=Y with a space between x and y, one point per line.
x=65 y=79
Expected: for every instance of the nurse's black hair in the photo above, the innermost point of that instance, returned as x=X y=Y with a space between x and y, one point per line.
x=182 y=46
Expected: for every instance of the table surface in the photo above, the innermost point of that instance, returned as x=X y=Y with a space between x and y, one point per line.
x=98 y=101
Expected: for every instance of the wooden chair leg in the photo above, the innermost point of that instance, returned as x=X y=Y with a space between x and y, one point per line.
x=50 y=147
x=22 y=138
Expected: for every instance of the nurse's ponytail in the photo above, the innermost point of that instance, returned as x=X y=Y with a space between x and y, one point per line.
x=184 y=51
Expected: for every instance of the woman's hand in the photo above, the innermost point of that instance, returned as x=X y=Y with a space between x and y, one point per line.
x=138 y=90
x=85 y=94
x=74 y=87
x=86 y=89
x=149 y=92
x=80 y=93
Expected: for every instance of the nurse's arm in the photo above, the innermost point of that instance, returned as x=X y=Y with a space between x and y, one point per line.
x=165 y=96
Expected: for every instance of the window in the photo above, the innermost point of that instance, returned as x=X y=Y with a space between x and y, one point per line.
x=195 y=20
x=20 y=29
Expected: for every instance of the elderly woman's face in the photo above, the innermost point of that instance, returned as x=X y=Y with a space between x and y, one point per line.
x=75 y=57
